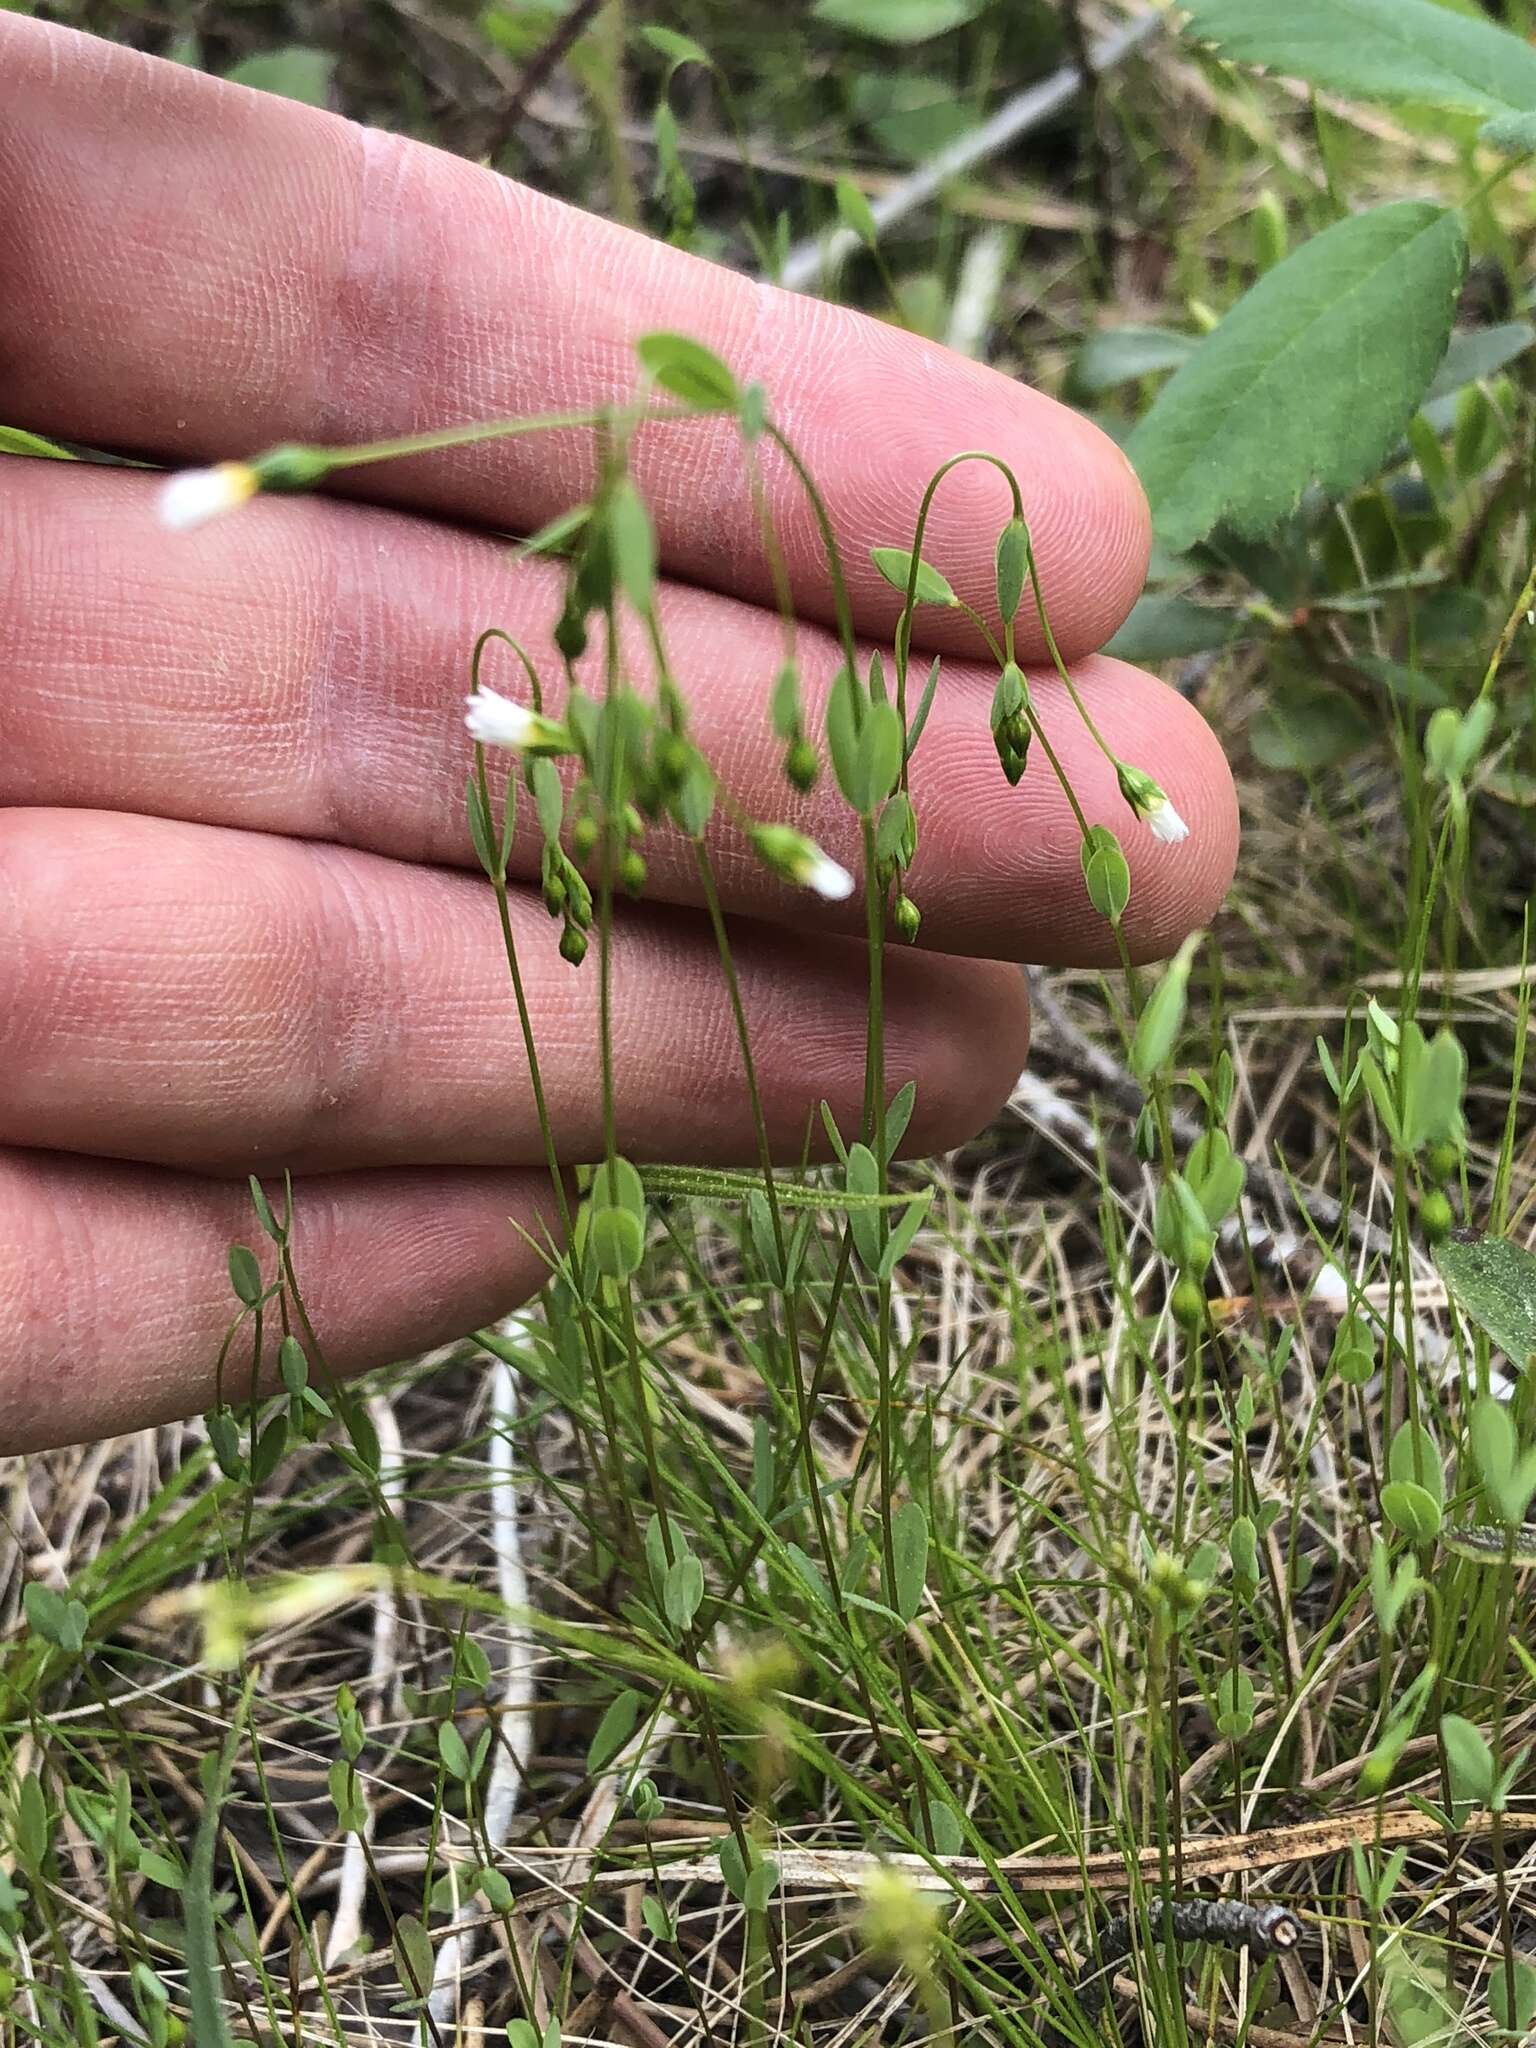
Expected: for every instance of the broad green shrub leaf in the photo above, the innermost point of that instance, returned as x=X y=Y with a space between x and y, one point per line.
x=1163 y=627
x=897 y=21
x=1514 y=134
x=1377 y=49
x=1494 y=1283
x=1482 y=351
x=1121 y=354
x=297 y=74
x=1311 y=378
x=1307 y=726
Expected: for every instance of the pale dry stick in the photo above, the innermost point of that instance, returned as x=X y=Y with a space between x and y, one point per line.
x=982 y=270
x=1027 y=110
x=347 y=1926
x=516 y=1691
x=842 y=1873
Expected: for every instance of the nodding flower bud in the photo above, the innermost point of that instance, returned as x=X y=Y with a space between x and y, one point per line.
x=573 y=945
x=632 y=872
x=801 y=860
x=1014 y=759
x=907 y=918
x=1150 y=803
x=570 y=634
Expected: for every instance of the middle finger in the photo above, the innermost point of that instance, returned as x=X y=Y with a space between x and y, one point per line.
x=299 y=667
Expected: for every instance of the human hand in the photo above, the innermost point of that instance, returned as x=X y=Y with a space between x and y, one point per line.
x=239 y=928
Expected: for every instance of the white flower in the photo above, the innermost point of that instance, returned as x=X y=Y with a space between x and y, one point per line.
x=1150 y=803
x=801 y=860
x=1165 y=823
x=193 y=496
x=496 y=721
x=823 y=874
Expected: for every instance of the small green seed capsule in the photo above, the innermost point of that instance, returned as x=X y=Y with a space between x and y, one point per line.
x=1187 y=1304
x=554 y=894
x=632 y=872
x=907 y=918
x=1435 y=1218
x=1441 y=1161
x=573 y=945
x=570 y=635
x=584 y=837
x=673 y=760
x=801 y=766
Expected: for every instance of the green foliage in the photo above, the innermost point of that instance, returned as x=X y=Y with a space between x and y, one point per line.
x=895 y=565
x=1493 y=1281
x=897 y=21
x=296 y=73
x=1273 y=400
x=1408 y=50
x=909 y=1546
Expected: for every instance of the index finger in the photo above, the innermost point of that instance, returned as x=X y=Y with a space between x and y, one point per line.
x=194 y=271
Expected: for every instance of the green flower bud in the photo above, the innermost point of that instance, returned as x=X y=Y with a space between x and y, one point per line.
x=1187 y=1304
x=584 y=837
x=1435 y=1218
x=570 y=634
x=1441 y=1160
x=801 y=767
x=573 y=945
x=907 y=918
x=632 y=872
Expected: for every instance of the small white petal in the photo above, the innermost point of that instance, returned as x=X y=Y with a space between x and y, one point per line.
x=193 y=496
x=1166 y=824
x=827 y=878
x=495 y=721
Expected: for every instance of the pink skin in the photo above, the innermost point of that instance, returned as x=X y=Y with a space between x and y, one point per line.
x=234 y=929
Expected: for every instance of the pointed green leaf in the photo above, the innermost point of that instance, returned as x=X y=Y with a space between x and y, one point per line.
x=895 y=565
x=909 y=1550
x=689 y=371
